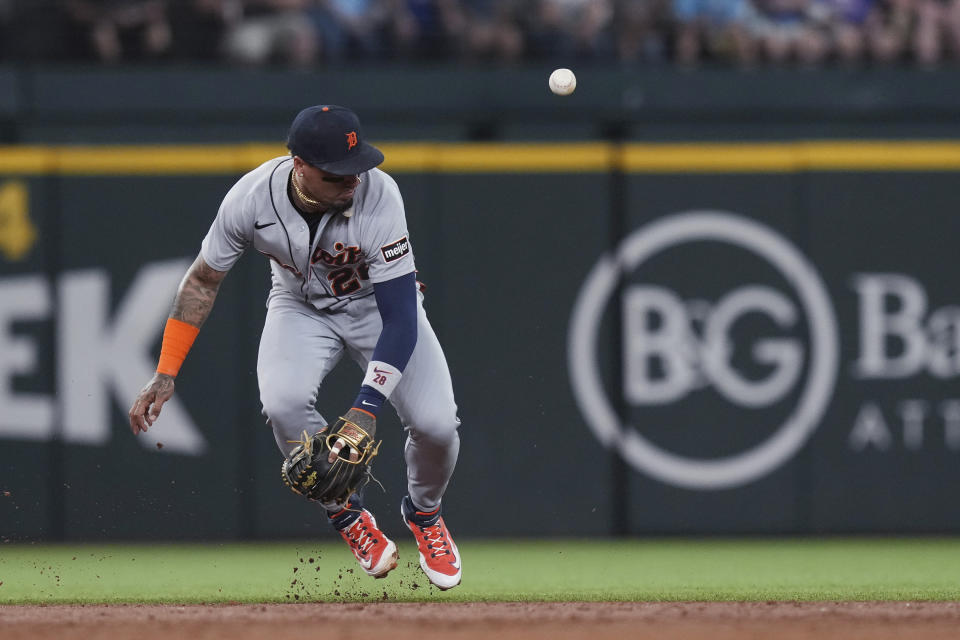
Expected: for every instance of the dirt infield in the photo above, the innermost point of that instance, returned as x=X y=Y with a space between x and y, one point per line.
x=501 y=621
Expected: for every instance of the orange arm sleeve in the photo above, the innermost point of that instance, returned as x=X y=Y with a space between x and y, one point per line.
x=178 y=337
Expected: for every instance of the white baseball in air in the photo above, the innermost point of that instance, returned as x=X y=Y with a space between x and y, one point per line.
x=562 y=82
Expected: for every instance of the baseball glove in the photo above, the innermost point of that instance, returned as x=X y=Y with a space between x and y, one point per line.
x=309 y=472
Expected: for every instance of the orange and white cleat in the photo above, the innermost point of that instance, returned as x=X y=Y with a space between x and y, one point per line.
x=439 y=557
x=376 y=553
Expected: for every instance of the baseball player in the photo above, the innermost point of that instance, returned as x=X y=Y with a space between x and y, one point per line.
x=334 y=230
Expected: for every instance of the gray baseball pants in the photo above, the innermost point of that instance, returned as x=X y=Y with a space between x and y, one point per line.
x=300 y=346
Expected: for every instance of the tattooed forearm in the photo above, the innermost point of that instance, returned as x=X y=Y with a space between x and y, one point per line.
x=197 y=292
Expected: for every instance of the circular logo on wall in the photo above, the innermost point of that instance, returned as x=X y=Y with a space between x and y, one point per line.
x=672 y=346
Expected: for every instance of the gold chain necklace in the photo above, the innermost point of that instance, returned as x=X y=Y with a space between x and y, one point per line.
x=300 y=194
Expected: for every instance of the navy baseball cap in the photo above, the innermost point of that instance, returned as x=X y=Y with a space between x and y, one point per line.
x=328 y=137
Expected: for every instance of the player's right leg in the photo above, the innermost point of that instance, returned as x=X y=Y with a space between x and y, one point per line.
x=376 y=553
x=297 y=351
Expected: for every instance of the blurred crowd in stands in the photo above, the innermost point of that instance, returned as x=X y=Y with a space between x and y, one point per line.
x=319 y=32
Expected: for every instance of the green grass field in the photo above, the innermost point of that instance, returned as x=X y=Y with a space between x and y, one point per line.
x=650 y=570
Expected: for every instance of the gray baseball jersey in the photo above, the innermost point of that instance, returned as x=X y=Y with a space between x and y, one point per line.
x=349 y=253
x=321 y=306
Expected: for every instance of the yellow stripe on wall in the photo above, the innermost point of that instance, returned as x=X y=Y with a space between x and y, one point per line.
x=762 y=157
x=135 y=160
x=772 y=157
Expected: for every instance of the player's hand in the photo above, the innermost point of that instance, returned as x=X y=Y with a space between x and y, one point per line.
x=363 y=420
x=146 y=408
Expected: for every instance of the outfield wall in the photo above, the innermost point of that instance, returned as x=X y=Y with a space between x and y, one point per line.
x=691 y=337
x=786 y=329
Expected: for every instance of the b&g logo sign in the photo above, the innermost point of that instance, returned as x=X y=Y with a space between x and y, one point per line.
x=666 y=359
